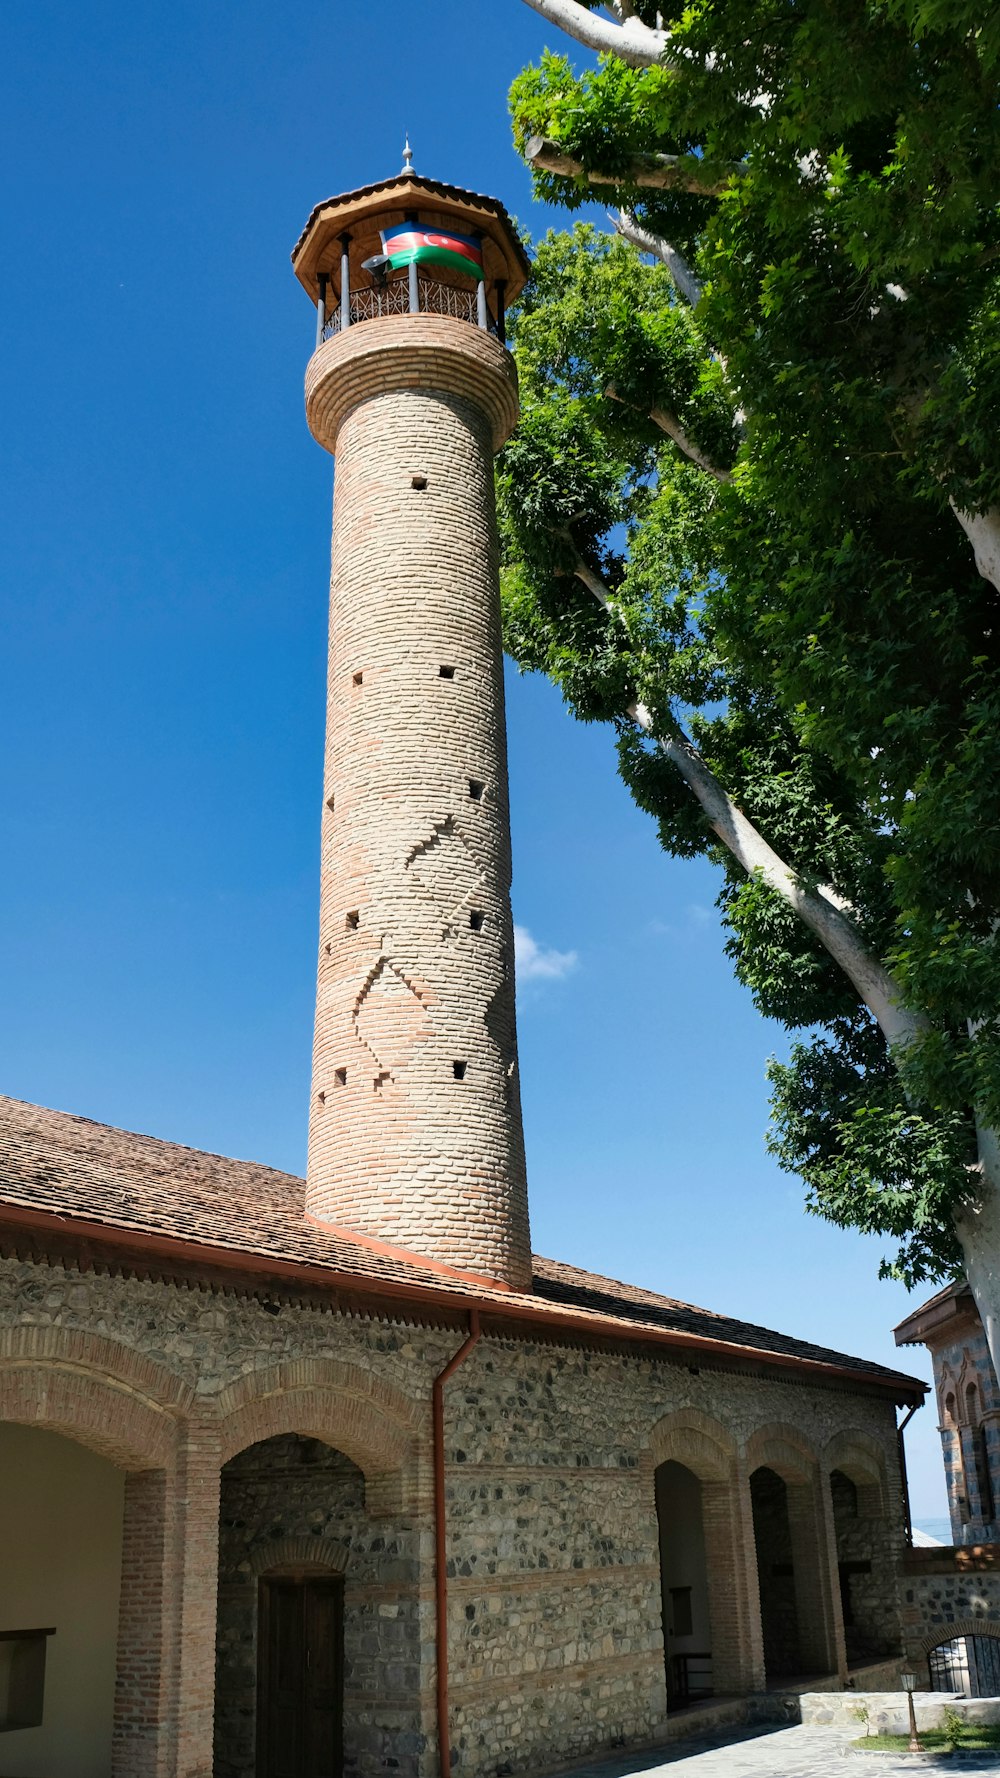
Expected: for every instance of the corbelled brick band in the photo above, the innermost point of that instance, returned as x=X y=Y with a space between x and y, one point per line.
x=415 y=1125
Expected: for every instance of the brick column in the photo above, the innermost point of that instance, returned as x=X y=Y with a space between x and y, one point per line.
x=817 y=1591
x=195 y=1579
x=729 y=1598
x=748 y=1580
x=141 y=1737
x=415 y=1124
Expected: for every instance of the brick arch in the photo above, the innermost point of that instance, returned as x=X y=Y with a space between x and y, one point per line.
x=93 y=1390
x=703 y=1446
x=783 y=1449
x=695 y=1439
x=858 y=1456
x=920 y=1647
x=370 y=1421
x=298 y=1552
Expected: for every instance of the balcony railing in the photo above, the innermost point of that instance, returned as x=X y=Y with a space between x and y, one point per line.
x=407 y=296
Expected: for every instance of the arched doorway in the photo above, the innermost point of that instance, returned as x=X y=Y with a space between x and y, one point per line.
x=61 y=1516
x=318 y=1643
x=865 y=1557
x=968 y=1664
x=687 y=1628
x=783 y=1652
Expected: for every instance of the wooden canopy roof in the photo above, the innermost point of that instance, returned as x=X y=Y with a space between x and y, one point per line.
x=363 y=213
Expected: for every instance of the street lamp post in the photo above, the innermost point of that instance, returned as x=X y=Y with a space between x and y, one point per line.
x=909 y=1684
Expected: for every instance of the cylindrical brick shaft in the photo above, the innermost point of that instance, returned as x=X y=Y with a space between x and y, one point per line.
x=415 y=1125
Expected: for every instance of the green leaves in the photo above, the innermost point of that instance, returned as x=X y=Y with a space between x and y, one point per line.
x=817 y=623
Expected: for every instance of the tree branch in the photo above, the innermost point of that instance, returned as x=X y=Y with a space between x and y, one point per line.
x=665 y=172
x=631 y=41
x=669 y=423
x=687 y=284
x=983 y=531
x=825 y=914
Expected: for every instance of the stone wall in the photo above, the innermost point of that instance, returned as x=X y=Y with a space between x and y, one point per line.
x=948 y=1593
x=554 y=1624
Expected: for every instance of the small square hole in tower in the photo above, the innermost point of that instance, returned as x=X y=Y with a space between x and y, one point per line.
x=446 y=672
x=340 y=1076
x=330 y=802
x=353 y=920
x=419 y=482
x=358 y=679
x=476 y=919
x=476 y=790
x=458 y=1069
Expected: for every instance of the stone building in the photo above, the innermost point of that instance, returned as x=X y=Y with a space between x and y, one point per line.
x=308 y=1476
x=951 y=1596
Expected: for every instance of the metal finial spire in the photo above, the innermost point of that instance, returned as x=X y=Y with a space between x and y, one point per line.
x=407 y=166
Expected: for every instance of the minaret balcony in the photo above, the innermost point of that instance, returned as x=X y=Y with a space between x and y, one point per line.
x=433 y=298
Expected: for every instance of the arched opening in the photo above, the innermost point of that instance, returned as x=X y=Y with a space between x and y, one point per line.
x=61 y=1522
x=318 y=1643
x=968 y=1664
x=864 y=1563
x=779 y=1615
x=684 y=1593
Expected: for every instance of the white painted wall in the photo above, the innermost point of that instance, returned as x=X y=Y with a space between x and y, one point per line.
x=60 y=1564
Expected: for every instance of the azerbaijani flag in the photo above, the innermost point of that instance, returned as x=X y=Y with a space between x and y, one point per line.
x=407 y=242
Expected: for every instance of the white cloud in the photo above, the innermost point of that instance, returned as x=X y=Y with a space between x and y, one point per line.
x=534 y=963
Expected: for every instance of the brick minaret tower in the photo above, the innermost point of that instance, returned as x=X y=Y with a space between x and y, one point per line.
x=415 y=1125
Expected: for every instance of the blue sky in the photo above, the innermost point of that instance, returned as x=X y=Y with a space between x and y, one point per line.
x=163 y=586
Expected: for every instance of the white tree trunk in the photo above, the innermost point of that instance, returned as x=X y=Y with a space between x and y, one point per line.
x=977 y=1225
x=826 y=914
x=820 y=911
x=631 y=41
x=661 y=172
x=669 y=424
x=687 y=284
x=983 y=531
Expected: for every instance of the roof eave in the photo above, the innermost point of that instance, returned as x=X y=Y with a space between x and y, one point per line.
x=503 y=1314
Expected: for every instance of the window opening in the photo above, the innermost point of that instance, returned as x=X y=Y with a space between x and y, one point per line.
x=22 y=1677
x=458 y=1069
x=476 y=790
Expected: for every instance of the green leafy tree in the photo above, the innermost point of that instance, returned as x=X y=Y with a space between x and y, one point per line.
x=752 y=520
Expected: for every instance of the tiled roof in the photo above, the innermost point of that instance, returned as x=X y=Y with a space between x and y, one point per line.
x=66 y=1169
x=437 y=187
x=606 y=1296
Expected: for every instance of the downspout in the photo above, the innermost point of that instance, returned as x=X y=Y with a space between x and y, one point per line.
x=441 y=1541
x=904 y=1478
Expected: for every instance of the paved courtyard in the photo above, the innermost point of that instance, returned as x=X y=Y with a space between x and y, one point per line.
x=775 y=1753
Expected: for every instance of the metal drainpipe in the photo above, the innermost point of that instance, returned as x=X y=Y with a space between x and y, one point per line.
x=441 y=1540
x=900 y=1429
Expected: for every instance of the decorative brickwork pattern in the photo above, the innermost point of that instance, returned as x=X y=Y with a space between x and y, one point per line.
x=415 y=1125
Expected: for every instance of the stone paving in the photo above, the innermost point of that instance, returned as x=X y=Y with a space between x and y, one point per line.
x=777 y=1753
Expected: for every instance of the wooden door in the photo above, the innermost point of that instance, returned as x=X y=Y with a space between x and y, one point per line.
x=300 y=1678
